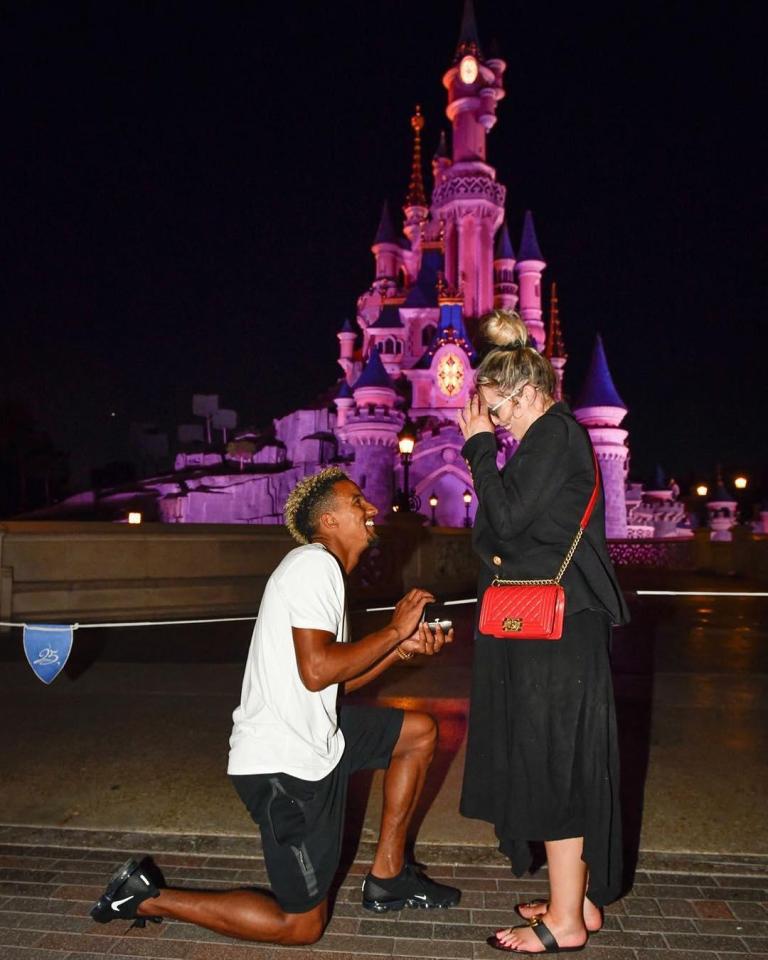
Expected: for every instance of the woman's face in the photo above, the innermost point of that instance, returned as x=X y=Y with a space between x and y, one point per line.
x=500 y=405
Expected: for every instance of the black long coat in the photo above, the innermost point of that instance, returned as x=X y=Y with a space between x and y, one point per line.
x=542 y=747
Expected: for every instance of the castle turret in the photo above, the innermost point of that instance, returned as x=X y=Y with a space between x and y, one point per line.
x=601 y=410
x=345 y=403
x=346 y=337
x=555 y=350
x=386 y=247
x=371 y=430
x=504 y=286
x=468 y=199
x=530 y=264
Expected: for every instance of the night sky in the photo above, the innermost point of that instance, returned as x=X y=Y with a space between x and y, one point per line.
x=190 y=192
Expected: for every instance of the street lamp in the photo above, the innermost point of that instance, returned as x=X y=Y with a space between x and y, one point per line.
x=702 y=489
x=406 y=441
x=433 y=501
x=740 y=483
x=467 y=497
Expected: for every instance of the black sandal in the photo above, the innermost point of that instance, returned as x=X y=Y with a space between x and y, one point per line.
x=544 y=934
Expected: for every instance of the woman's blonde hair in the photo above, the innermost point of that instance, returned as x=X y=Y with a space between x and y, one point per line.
x=512 y=360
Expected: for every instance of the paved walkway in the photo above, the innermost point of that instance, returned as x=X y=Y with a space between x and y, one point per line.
x=125 y=754
x=680 y=907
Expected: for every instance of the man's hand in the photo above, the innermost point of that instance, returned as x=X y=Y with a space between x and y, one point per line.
x=425 y=641
x=408 y=612
x=474 y=417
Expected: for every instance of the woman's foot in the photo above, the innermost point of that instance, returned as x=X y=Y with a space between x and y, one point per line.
x=593 y=915
x=542 y=935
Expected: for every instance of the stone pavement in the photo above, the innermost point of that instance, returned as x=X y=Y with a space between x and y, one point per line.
x=680 y=907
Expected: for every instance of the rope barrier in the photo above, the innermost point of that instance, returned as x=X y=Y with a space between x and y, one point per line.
x=128 y=623
x=387 y=609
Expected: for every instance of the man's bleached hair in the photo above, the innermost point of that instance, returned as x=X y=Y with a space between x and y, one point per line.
x=307 y=501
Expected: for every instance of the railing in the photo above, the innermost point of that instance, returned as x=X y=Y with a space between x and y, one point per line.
x=667 y=553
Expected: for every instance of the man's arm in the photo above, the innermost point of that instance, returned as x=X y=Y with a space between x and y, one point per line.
x=322 y=661
x=429 y=644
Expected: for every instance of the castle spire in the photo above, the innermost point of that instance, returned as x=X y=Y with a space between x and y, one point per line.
x=416 y=196
x=469 y=39
x=599 y=389
x=442 y=147
x=386 y=230
x=529 y=244
x=555 y=349
x=600 y=409
x=530 y=264
x=503 y=250
x=555 y=346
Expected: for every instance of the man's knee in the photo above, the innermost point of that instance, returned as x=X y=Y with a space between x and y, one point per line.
x=418 y=734
x=301 y=929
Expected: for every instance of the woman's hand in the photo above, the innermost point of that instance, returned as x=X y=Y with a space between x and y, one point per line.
x=474 y=417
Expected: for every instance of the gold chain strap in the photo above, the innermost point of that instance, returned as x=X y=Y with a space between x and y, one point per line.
x=497 y=582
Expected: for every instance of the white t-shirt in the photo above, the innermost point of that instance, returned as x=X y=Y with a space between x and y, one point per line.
x=280 y=725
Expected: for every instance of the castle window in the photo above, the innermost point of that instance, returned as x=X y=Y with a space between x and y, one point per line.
x=426 y=334
x=398 y=346
x=388 y=346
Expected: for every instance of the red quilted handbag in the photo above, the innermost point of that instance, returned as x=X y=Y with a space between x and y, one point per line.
x=531 y=609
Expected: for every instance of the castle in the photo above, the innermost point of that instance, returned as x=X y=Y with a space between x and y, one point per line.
x=407 y=359
x=411 y=346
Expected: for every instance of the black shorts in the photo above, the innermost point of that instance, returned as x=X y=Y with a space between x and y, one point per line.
x=302 y=821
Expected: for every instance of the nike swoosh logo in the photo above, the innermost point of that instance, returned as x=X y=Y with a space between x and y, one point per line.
x=419 y=896
x=118 y=903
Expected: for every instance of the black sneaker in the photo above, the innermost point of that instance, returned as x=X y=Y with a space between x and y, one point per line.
x=128 y=886
x=410 y=888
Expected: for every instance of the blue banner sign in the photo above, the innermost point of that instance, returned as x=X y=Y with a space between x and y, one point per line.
x=47 y=648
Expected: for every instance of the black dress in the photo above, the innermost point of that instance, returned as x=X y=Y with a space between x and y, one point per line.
x=542 y=754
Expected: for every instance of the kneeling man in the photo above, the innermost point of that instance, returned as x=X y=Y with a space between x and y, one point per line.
x=292 y=748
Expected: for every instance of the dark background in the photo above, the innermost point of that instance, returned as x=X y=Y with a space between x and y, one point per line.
x=190 y=192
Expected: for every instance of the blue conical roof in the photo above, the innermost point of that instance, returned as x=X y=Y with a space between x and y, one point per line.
x=347 y=326
x=374 y=374
x=504 y=250
x=529 y=245
x=424 y=292
x=599 y=389
x=386 y=232
x=344 y=392
x=388 y=318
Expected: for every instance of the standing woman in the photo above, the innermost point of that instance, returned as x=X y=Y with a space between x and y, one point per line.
x=542 y=756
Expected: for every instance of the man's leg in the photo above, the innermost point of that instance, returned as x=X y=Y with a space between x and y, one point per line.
x=240 y=913
x=132 y=892
x=403 y=783
x=392 y=884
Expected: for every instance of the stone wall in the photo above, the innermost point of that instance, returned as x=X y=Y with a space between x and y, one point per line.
x=101 y=572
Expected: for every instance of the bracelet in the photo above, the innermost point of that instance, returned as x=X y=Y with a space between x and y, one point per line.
x=403 y=655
